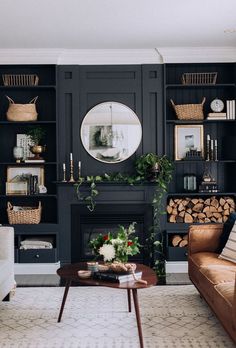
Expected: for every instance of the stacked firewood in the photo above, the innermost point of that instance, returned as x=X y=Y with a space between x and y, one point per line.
x=179 y=241
x=189 y=210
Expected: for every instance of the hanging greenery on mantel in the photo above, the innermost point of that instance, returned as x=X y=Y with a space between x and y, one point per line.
x=149 y=168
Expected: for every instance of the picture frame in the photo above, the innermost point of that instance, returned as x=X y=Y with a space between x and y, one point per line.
x=188 y=137
x=17 y=183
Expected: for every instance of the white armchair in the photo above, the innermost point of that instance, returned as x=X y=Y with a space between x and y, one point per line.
x=7 y=282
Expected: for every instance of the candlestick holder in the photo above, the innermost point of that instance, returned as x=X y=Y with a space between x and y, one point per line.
x=64 y=175
x=71 y=172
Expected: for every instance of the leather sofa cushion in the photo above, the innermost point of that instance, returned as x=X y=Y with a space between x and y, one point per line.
x=216 y=276
x=226 y=290
x=205 y=259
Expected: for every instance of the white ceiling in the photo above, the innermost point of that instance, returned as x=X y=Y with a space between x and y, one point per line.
x=116 y=24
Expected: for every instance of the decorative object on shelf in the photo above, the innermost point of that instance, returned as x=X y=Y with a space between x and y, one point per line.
x=79 y=169
x=24 y=141
x=36 y=135
x=24 y=215
x=22 y=112
x=211 y=149
x=71 y=168
x=199 y=209
x=190 y=182
x=193 y=155
x=116 y=247
x=24 y=180
x=64 y=172
x=206 y=78
x=111 y=132
x=189 y=111
x=208 y=183
x=92 y=266
x=42 y=189
x=84 y=274
x=20 y=79
x=188 y=138
x=18 y=153
x=230 y=109
x=217 y=106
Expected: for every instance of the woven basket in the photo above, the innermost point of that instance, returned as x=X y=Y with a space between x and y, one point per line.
x=29 y=215
x=208 y=78
x=20 y=80
x=189 y=111
x=22 y=112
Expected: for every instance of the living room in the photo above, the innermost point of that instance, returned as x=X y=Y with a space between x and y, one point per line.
x=117 y=162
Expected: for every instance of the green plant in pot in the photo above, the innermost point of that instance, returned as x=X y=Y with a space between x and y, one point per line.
x=157 y=169
x=37 y=135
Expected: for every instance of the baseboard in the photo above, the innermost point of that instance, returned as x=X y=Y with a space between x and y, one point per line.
x=176 y=267
x=39 y=268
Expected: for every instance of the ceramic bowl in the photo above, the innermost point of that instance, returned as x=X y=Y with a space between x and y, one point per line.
x=92 y=266
x=84 y=274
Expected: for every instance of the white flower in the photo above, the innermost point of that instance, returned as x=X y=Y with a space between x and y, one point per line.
x=116 y=241
x=108 y=251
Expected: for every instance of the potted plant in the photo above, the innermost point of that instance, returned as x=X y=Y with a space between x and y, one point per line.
x=36 y=135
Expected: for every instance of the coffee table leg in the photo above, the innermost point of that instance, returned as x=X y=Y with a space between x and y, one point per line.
x=136 y=306
x=129 y=299
x=68 y=282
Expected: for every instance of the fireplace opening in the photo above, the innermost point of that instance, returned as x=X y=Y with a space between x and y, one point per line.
x=106 y=218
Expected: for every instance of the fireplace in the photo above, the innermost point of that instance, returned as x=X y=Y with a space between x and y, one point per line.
x=87 y=225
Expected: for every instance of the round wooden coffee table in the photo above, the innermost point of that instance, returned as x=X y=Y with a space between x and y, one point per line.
x=70 y=273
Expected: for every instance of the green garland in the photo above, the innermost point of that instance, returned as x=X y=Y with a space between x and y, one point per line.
x=143 y=166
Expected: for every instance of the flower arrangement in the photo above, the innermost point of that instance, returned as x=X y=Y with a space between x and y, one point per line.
x=116 y=247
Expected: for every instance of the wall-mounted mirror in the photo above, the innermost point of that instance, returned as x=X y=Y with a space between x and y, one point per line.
x=111 y=132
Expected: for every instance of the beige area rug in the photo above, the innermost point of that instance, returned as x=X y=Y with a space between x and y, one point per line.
x=96 y=317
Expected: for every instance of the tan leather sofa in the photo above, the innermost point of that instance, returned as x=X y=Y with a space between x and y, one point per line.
x=213 y=277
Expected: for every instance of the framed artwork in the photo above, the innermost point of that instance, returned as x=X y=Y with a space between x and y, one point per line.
x=18 y=179
x=188 y=137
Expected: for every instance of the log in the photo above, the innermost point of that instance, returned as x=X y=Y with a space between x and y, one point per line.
x=207 y=208
x=201 y=215
x=171 y=202
x=185 y=237
x=220 y=219
x=222 y=201
x=207 y=220
x=207 y=201
x=220 y=209
x=209 y=214
x=190 y=205
x=195 y=201
x=225 y=212
x=226 y=206
x=183 y=243
x=172 y=218
x=174 y=211
x=225 y=218
x=185 y=202
x=181 y=207
x=169 y=209
x=182 y=213
x=198 y=207
x=179 y=219
x=188 y=218
x=189 y=211
x=215 y=203
x=213 y=209
x=176 y=239
x=217 y=215
x=230 y=201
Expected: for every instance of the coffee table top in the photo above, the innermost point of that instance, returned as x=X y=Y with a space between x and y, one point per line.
x=70 y=272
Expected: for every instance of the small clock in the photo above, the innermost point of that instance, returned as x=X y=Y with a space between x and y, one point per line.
x=217 y=105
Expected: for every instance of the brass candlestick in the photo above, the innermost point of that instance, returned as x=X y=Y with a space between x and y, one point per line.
x=71 y=171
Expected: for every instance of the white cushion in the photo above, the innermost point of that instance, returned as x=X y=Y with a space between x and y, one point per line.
x=229 y=251
x=5 y=270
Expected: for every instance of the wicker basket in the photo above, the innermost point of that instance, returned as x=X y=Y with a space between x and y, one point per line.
x=29 y=215
x=199 y=78
x=189 y=111
x=20 y=80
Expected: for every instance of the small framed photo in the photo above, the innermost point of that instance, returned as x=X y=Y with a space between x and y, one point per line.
x=187 y=138
x=19 y=179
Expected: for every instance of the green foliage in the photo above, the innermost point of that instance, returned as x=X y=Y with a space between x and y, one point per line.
x=36 y=134
x=143 y=166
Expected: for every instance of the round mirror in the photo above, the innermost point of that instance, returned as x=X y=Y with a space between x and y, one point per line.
x=111 y=132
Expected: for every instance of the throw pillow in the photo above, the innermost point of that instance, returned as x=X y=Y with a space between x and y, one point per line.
x=228 y=225
x=229 y=251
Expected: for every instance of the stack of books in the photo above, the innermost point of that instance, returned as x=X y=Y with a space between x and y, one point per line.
x=230 y=109
x=116 y=277
x=217 y=116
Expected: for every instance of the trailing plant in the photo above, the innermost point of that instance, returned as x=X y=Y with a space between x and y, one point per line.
x=148 y=167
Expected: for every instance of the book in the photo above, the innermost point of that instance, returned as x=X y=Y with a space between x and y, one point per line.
x=24 y=141
x=217 y=114
x=115 y=277
x=34 y=160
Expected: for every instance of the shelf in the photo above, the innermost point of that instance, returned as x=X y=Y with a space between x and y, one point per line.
x=43 y=195
x=181 y=194
x=197 y=121
x=29 y=87
x=219 y=85
x=204 y=161
x=27 y=164
x=42 y=228
x=26 y=122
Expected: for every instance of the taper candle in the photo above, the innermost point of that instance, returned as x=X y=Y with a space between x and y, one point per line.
x=71 y=156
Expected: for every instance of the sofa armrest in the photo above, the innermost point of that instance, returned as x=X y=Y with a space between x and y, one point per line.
x=7 y=243
x=204 y=238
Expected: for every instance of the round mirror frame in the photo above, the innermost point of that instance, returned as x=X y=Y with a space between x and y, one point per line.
x=104 y=137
